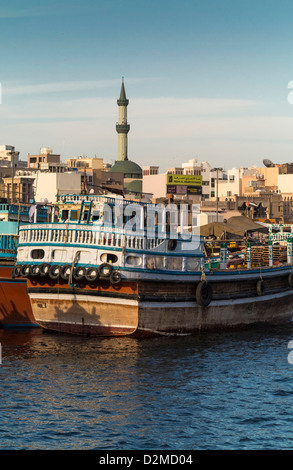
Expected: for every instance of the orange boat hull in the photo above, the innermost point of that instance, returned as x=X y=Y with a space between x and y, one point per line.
x=15 y=306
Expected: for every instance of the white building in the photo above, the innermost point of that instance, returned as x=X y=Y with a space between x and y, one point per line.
x=285 y=184
x=231 y=186
x=48 y=185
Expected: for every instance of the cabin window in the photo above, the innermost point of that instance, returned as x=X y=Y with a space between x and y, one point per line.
x=109 y=258
x=37 y=254
x=155 y=262
x=65 y=214
x=59 y=255
x=192 y=264
x=85 y=257
x=174 y=263
x=85 y=215
x=73 y=215
x=133 y=260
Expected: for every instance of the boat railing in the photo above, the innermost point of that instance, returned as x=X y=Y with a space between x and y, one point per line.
x=280 y=236
x=78 y=198
x=8 y=244
x=68 y=234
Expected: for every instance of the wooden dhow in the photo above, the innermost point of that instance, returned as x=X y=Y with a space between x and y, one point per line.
x=87 y=278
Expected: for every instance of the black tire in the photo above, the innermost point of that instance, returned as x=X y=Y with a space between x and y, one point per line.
x=115 y=277
x=54 y=272
x=34 y=270
x=65 y=272
x=172 y=244
x=44 y=269
x=25 y=270
x=92 y=274
x=79 y=273
x=204 y=293
x=15 y=271
x=103 y=270
x=260 y=287
x=290 y=280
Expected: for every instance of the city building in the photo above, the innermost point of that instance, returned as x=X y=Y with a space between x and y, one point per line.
x=44 y=159
x=19 y=188
x=80 y=163
x=48 y=185
x=256 y=180
x=176 y=183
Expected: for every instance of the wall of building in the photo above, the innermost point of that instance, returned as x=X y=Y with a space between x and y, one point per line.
x=47 y=185
x=232 y=185
x=154 y=184
x=285 y=183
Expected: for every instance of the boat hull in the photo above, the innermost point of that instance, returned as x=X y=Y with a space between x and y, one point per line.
x=15 y=306
x=144 y=307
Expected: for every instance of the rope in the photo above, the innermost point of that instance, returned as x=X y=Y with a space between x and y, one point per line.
x=72 y=267
x=203 y=276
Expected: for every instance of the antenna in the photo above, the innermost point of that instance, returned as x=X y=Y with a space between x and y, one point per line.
x=268 y=163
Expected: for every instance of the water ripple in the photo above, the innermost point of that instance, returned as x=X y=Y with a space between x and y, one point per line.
x=216 y=391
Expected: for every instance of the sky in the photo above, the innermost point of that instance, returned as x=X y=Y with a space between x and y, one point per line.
x=209 y=80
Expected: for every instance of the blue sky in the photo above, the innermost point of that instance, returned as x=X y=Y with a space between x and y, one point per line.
x=205 y=79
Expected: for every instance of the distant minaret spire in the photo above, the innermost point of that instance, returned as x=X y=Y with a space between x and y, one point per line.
x=122 y=127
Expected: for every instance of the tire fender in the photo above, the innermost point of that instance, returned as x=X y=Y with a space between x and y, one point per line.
x=204 y=293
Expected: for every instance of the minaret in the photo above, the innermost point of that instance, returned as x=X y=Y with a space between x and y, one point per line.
x=122 y=127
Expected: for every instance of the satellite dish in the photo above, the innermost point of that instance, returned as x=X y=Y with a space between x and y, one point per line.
x=268 y=163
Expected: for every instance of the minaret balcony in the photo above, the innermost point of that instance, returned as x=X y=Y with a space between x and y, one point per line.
x=122 y=102
x=122 y=128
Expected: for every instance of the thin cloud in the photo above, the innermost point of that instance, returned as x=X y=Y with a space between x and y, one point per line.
x=13 y=88
x=56 y=87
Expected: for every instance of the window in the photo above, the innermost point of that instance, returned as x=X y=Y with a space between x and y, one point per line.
x=65 y=214
x=109 y=258
x=37 y=254
x=133 y=260
x=73 y=215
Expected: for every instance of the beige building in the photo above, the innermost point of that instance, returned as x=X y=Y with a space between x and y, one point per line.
x=80 y=163
x=19 y=188
x=45 y=158
x=257 y=180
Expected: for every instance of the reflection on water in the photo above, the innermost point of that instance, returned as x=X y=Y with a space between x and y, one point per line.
x=215 y=391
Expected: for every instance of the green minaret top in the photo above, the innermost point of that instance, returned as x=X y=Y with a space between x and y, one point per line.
x=123 y=101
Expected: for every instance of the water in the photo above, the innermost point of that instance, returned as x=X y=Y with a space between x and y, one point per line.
x=214 y=391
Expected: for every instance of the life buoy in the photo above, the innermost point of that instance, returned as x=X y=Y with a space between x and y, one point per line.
x=172 y=244
x=65 y=272
x=44 y=269
x=115 y=277
x=54 y=272
x=105 y=270
x=290 y=280
x=260 y=287
x=79 y=273
x=204 y=293
x=92 y=274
